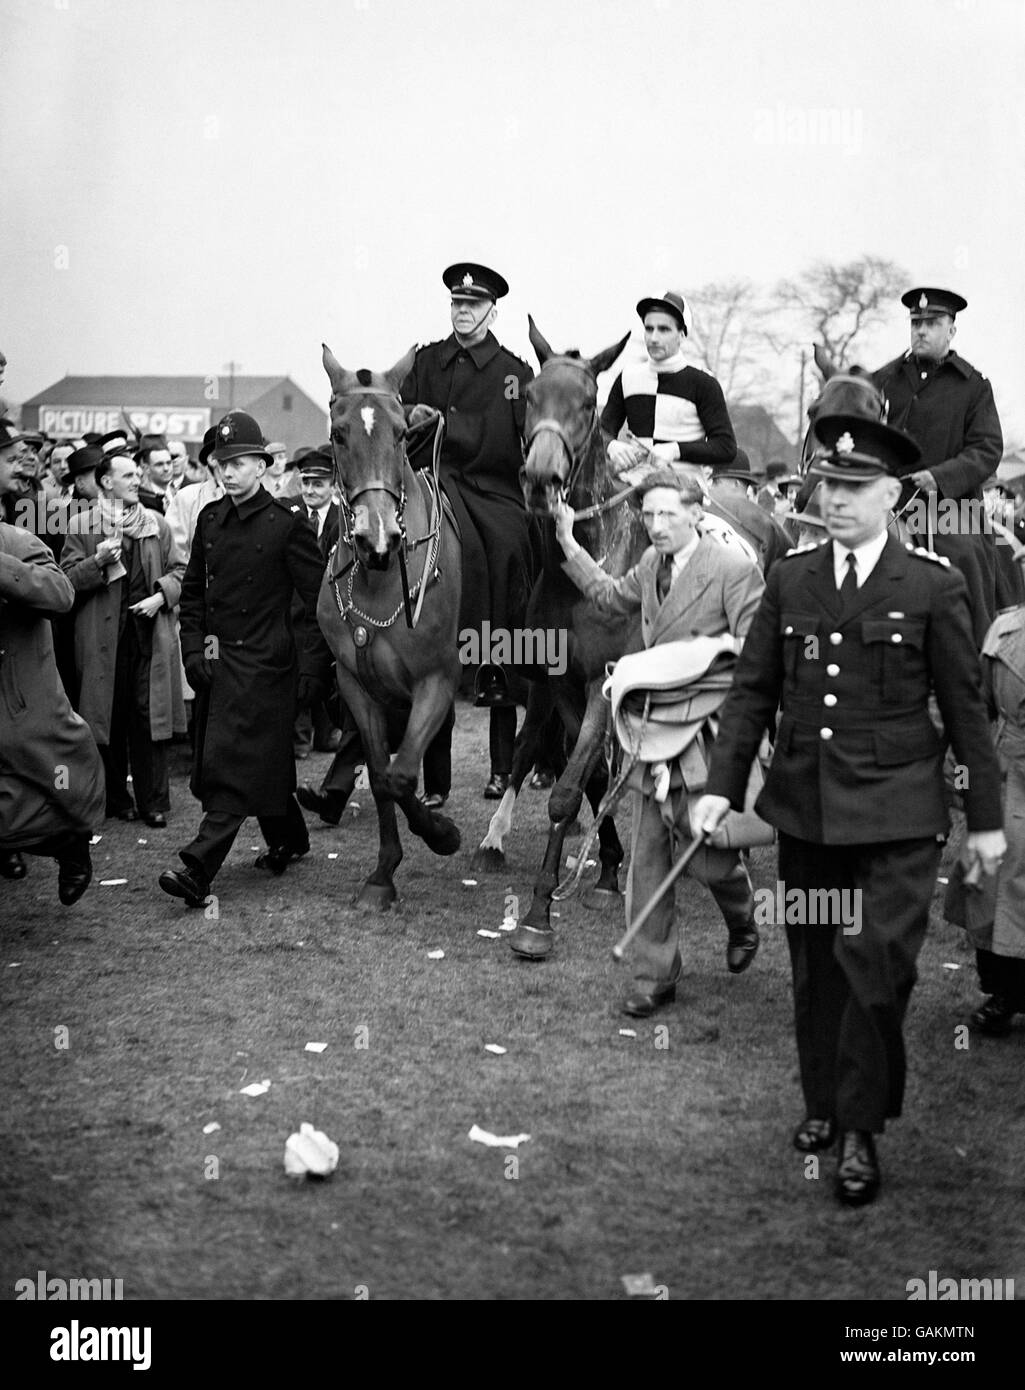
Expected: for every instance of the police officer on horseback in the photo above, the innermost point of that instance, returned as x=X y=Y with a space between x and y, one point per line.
x=478 y=386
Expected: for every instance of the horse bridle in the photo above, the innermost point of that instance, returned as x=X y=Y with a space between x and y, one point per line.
x=346 y=511
x=549 y=425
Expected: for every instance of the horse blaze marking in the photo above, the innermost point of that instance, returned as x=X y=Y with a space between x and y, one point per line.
x=368 y=418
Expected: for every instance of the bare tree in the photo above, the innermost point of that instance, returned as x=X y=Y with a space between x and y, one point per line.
x=730 y=337
x=835 y=303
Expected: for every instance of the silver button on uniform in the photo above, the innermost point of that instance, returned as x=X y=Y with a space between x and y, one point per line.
x=825 y=733
x=829 y=700
x=832 y=670
x=836 y=638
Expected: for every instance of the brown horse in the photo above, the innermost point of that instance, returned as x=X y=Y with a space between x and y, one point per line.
x=565 y=458
x=389 y=605
x=850 y=391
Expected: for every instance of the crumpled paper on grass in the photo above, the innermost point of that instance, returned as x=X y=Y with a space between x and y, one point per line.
x=496 y=1141
x=310 y=1153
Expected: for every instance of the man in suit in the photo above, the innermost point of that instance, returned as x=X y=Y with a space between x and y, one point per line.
x=319 y=505
x=852 y=637
x=686 y=584
x=947 y=407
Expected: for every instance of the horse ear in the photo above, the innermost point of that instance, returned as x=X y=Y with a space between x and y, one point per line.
x=335 y=371
x=602 y=361
x=537 y=342
x=827 y=367
x=396 y=375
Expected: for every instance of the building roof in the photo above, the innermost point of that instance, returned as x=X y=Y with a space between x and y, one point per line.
x=157 y=390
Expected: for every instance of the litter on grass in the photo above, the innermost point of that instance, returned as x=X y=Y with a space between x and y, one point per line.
x=142 y=842
x=435 y=955
x=96 y=839
x=497 y=1141
x=494 y=1047
x=255 y=1088
x=469 y=883
x=949 y=965
x=315 y=1047
x=492 y=935
x=638 y=1285
x=332 y=856
x=211 y=1128
x=627 y=1033
x=112 y=882
x=310 y=1153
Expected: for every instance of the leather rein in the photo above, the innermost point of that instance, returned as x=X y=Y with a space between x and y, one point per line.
x=347 y=523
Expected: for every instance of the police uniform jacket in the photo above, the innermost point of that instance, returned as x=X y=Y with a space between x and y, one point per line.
x=246 y=563
x=951 y=416
x=480 y=392
x=857 y=758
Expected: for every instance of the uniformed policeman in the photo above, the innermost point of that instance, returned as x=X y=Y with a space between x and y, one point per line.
x=250 y=555
x=850 y=639
x=947 y=407
x=479 y=387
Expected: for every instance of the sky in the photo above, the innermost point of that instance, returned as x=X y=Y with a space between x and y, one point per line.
x=192 y=182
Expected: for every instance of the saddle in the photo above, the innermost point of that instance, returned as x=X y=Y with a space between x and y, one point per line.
x=664 y=702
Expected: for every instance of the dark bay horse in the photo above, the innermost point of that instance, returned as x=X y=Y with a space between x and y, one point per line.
x=848 y=391
x=565 y=458
x=389 y=605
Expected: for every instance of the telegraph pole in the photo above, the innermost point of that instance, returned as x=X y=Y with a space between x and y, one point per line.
x=230 y=368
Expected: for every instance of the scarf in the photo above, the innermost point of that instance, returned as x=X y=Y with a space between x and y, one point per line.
x=136 y=521
x=676 y=363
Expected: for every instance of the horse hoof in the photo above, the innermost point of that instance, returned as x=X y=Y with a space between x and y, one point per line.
x=532 y=943
x=490 y=860
x=597 y=898
x=376 y=897
x=442 y=835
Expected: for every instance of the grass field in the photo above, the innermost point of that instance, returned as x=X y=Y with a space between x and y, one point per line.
x=672 y=1160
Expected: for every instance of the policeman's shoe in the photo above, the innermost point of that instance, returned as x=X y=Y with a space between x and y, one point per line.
x=813 y=1135
x=185 y=883
x=278 y=858
x=995 y=1017
x=12 y=865
x=74 y=874
x=497 y=787
x=328 y=805
x=432 y=801
x=157 y=820
x=857 y=1177
x=741 y=947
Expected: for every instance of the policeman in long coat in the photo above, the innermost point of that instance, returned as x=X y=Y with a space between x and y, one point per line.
x=250 y=555
x=850 y=638
x=947 y=408
x=478 y=385
x=51 y=776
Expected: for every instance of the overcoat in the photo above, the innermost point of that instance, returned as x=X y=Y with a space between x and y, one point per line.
x=97 y=620
x=857 y=757
x=247 y=562
x=480 y=392
x=1003 y=663
x=51 y=775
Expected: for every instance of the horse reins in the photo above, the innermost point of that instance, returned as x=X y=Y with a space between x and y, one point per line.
x=347 y=522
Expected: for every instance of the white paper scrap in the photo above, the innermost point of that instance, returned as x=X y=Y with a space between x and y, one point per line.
x=469 y=883
x=492 y=935
x=96 y=839
x=943 y=880
x=142 y=842
x=496 y=1141
x=13 y=965
x=112 y=882
x=315 y=1047
x=211 y=1128
x=435 y=955
x=310 y=1151
x=949 y=965
x=255 y=1088
x=636 y=1284
x=494 y=1047
x=332 y=856
x=627 y=1033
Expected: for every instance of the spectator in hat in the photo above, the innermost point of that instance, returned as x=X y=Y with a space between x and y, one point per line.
x=124 y=564
x=81 y=476
x=51 y=777
x=179 y=461
x=730 y=487
x=250 y=556
x=319 y=505
x=947 y=407
x=852 y=639
x=478 y=386
x=279 y=481
x=768 y=493
x=157 y=467
x=663 y=409
x=16 y=481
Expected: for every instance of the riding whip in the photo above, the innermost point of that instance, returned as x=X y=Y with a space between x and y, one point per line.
x=674 y=873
